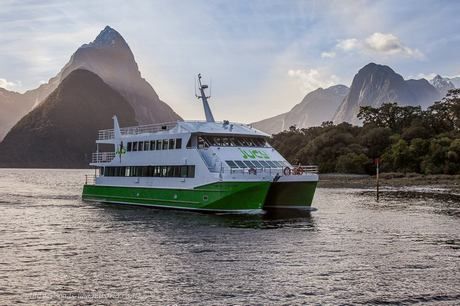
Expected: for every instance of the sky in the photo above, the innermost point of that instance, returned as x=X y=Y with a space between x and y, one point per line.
x=262 y=57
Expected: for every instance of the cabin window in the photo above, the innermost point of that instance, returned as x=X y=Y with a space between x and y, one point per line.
x=140 y=146
x=190 y=171
x=257 y=164
x=152 y=145
x=264 y=164
x=172 y=144
x=146 y=145
x=135 y=146
x=248 y=164
x=150 y=171
x=231 y=164
x=165 y=144
x=178 y=143
x=158 y=144
x=130 y=144
x=272 y=164
x=240 y=164
x=201 y=143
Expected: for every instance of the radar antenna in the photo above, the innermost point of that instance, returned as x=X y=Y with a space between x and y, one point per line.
x=204 y=98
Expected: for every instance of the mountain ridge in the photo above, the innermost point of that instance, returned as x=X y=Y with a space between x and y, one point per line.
x=60 y=132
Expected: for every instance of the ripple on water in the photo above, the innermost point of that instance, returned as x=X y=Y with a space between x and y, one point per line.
x=56 y=249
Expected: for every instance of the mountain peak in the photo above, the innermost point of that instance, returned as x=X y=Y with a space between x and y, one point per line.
x=108 y=37
x=373 y=67
x=443 y=85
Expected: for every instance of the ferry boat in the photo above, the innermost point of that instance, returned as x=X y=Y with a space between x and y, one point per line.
x=197 y=165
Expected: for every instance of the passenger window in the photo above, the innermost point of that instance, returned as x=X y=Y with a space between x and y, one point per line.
x=240 y=164
x=178 y=143
x=135 y=146
x=231 y=164
x=165 y=144
x=172 y=144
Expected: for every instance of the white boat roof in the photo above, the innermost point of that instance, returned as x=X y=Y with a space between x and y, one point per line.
x=231 y=128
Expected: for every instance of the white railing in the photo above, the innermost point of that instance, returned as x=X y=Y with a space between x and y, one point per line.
x=299 y=170
x=90 y=179
x=135 y=130
x=309 y=169
x=103 y=157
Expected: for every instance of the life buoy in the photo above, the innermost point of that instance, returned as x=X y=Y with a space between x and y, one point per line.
x=252 y=171
x=298 y=171
x=287 y=171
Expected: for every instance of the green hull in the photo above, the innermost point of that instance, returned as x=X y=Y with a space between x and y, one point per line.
x=290 y=195
x=221 y=196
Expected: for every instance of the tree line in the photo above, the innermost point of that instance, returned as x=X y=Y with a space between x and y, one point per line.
x=404 y=138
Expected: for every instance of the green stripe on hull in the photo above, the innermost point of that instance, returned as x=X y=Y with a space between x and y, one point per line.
x=221 y=196
x=290 y=195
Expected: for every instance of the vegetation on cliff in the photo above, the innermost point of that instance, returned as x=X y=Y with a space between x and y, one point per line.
x=405 y=138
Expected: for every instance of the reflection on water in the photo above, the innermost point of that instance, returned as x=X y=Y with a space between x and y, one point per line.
x=56 y=249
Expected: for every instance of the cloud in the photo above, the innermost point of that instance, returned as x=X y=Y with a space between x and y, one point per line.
x=390 y=44
x=381 y=43
x=330 y=54
x=311 y=79
x=348 y=44
x=426 y=76
x=4 y=83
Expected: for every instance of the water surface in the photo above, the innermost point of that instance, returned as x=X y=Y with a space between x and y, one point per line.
x=56 y=249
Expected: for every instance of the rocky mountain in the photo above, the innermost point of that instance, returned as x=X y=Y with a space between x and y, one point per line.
x=376 y=84
x=110 y=57
x=316 y=107
x=61 y=131
x=455 y=81
x=14 y=105
x=443 y=85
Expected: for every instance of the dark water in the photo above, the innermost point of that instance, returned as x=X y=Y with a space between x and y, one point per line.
x=56 y=249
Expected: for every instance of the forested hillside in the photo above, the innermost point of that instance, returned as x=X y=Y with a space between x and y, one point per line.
x=405 y=138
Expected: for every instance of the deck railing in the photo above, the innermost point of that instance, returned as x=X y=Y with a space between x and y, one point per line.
x=90 y=179
x=135 y=130
x=298 y=170
x=102 y=157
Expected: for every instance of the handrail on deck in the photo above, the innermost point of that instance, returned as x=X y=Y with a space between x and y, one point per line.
x=135 y=130
x=102 y=157
x=90 y=179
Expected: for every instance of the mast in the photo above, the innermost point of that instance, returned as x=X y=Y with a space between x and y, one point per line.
x=207 y=109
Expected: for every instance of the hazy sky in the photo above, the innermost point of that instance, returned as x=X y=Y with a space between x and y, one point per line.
x=262 y=56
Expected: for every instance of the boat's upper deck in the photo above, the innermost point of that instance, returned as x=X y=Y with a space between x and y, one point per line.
x=200 y=127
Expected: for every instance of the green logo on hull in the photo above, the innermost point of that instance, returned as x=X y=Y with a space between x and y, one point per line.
x=254 y=154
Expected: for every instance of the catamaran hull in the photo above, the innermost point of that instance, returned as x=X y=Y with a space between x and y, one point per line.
x=291 y=195
x=216 y=197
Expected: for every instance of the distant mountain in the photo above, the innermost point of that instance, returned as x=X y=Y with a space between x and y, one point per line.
x=61 y=131
x=110 y=57
x=13 y=105
x=376 y=84
x=443 y=85
x=315 y=108
x=455 y=81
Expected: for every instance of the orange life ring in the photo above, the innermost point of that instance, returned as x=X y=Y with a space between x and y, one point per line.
x=287 y=171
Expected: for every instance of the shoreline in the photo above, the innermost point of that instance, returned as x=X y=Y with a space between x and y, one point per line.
x=388 y=181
